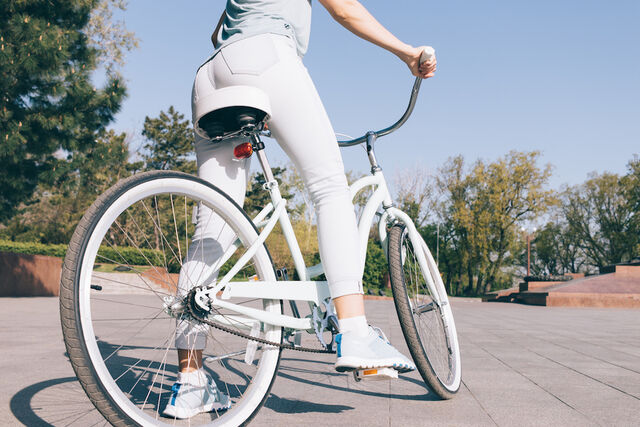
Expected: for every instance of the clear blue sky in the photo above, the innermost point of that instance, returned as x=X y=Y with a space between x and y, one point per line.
x=562 y=77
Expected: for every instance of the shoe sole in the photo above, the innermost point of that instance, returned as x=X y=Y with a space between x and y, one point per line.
x=184 y=413
x=349 y=364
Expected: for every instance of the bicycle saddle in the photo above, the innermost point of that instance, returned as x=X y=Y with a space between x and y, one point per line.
x=232 y=110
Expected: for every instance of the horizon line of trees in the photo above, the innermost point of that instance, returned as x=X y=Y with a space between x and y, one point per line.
x=58 y=155
x=472 y=216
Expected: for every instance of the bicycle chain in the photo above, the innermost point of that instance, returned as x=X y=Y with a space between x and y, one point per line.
x=193 y=313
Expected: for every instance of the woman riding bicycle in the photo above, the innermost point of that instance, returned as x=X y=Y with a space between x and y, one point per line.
x=261 y=43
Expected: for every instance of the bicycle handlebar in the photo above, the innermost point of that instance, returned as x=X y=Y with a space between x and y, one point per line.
x=427 y=54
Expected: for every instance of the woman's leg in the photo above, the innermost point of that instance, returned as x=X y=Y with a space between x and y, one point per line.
x=216 y=164
x=302 y=128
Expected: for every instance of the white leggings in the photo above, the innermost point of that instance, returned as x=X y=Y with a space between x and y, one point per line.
x=302 y=128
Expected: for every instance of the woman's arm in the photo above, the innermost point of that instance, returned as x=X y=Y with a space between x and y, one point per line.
x=214 y=36
x=355 y=18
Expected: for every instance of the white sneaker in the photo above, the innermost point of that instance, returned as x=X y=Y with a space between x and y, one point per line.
x=188 y=399
x=371 y=351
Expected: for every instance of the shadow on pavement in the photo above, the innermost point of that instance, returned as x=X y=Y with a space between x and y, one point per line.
x=290 y=374
x=294 y=406
x=59 y=401
x=62 y=401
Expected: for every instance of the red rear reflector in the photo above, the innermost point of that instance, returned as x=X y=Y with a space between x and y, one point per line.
x=243 y=151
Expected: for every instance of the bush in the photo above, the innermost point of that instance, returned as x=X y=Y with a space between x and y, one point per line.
x=375 y=267
x=32 y=248
x=134 y=256
x=108 y=255
x=374 y=270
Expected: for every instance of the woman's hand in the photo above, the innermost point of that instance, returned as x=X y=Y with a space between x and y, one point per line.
x=412 y=59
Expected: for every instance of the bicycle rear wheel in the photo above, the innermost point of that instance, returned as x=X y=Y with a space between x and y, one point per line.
x=424 y=312
x=122 y=278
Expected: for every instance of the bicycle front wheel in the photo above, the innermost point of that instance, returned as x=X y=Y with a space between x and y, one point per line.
x=126 y=280
x=424 y=312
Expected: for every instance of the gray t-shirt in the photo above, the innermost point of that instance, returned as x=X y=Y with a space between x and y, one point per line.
x=246 y=18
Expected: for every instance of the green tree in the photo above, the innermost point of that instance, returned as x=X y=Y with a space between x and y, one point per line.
x=109 y=36
x=632 y=182
x=48 y=103
x=375 y=269
x=415 y=194
x=556 y=250
x=257 y=197
x=603 y=216
x=170 y=142
x=481 y=212
x=51 y=214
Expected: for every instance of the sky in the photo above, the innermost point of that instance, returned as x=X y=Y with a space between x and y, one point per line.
x=561 y=77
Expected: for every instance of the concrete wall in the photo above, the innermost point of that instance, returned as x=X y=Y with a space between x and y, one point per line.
x=593 y=300
x=29 y=275
x=628 y=271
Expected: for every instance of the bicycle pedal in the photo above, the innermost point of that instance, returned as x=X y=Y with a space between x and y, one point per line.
x=375 y=374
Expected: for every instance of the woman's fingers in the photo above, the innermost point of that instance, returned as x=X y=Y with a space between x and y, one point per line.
x=428 y=66
x=425 y=69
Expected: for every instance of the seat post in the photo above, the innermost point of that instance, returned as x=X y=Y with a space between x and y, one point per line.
x=258 y=148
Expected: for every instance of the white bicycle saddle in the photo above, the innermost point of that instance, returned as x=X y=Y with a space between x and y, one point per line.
x=221 y=112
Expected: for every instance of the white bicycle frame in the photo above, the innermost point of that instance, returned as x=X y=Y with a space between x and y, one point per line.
x=315 y=292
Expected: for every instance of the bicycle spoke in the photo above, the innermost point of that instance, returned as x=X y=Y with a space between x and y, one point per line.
x=131 y=337
x=123 y=303
x=425 y=318
x=164 y=358
x=138 y=313
x=140 y=360
x=175 y=225
x=132 y=269
x=166 y=267
x=162 y=236
x=129 y=285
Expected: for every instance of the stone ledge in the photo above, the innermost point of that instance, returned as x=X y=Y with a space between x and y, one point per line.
x=23 y=275
x=576 y=299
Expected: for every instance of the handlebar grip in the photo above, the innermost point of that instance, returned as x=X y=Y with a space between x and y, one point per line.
x=427 y=54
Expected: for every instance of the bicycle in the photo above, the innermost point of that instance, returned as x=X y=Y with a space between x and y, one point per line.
x=120 y=306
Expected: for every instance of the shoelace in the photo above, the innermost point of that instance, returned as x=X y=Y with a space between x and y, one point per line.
x=174 y=392
x=174 y=388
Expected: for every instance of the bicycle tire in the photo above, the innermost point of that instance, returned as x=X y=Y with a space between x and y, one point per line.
x=431 y=334
x=78 y=306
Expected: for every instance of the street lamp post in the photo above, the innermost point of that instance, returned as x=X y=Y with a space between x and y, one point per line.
x=528 y=254
x=529 y=234
x=438 y=245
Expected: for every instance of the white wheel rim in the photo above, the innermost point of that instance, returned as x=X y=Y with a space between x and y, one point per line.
x=453 y=385
x=261 y=381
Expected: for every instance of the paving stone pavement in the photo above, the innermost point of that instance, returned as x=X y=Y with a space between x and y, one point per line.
x=522 y=365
